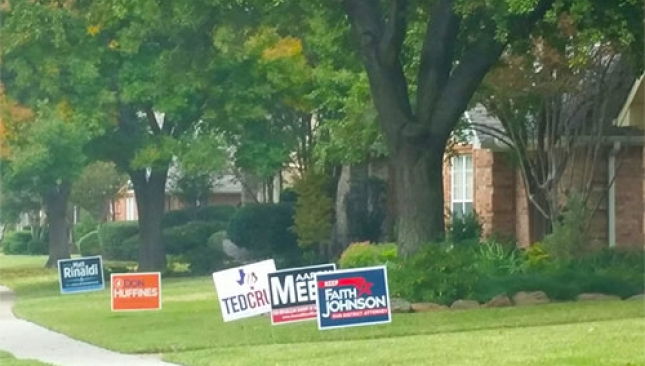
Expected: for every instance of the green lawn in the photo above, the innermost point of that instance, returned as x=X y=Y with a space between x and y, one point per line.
x=7 y=359
x=189 y=330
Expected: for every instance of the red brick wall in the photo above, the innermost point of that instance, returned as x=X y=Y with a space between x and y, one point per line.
x=629 y=198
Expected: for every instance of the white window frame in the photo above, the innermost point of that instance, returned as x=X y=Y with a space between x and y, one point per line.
x=460 y=195
x=130 y=207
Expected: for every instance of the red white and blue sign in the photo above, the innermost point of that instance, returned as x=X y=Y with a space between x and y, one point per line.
x=244 y=291
x=293 y=293
x=352 y=297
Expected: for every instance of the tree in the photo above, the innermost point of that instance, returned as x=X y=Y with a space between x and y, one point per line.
x=96 y=187
x=556 y=104
x=463 y=40
x=44 y=159
x=144 y=68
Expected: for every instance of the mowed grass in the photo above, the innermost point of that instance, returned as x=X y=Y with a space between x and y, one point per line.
x=7 y=359
x=189 y=330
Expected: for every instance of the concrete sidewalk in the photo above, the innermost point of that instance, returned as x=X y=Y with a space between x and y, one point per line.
x=27 y=340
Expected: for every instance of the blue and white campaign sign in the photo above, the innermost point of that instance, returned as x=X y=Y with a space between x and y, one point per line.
x=293 y=293
x=352 y=297
x=80 y=274
x=244 y=291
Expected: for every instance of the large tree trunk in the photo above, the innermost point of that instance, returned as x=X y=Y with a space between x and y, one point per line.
x=419 y=197
x=56 y=200
x=150 y=192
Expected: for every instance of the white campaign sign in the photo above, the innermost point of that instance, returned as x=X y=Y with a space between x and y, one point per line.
x=244 y=291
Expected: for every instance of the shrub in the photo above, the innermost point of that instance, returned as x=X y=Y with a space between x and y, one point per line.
x=265 y=230
x=130 y=246
x=314 y=209
x=17 y=242
x=493 y=258
x=365 y=254
x=569 y=238
x=89 y=244
x=221 y=213
x=438 y=273
x=86 y=225
x=181 y=239
x=113 y=235
x=464 y=229
x=208 y=257
x=37 y=247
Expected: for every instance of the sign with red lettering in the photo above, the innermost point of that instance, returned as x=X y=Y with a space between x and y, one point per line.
x=293 y=293
x=244 y=291
x=136 y=291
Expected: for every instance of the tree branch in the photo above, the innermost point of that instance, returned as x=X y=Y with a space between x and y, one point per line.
x=388 y=85
x=392 y=40
x=152 y=120
x=436 y=57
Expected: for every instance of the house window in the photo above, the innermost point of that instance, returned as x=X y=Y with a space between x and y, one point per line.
x=461 y=179
x=130 y=205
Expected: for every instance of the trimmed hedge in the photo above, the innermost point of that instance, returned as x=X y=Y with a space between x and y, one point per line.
x=221 y=213
x=17 y=242
x=181 y=239
x=89 y=244
x=266 y=231
x=113 y=235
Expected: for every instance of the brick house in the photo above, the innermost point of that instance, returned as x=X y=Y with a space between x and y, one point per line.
x=227 y=191
x=480 y=177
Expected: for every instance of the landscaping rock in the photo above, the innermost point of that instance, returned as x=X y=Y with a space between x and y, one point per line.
x=499 y=301
x=400 y=306
x=640 y=297
x=423 y=307
x=464 y=304
x=523 y=298
x=593 y=296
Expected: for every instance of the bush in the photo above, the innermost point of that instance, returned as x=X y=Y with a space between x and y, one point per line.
x=86 y=225
x=209 y=257
x=37 y=247
x=17 y=242
x=181 y=239
x=570 y=238
x=438 y=273
x=89 y=244
x=494 y=259
x=365 y=255
x=221 y=213
x=113 y=235
x=464 y=229
x=265 y=230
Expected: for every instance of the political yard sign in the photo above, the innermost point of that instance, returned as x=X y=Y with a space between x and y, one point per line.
x=244 y=291
x=80 y=275
x=352 y=297
x=293 y=293
x=136 y=291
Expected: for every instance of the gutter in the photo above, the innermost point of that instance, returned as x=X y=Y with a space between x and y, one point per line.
x=611 y=204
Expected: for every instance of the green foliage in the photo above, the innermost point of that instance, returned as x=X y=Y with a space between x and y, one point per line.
x=265 y=230
x=89 y=244
x=438 y=273
x=16 y=242
x=365 y=255
x=37 y=247
x=185 y=238
x=84 y=226
x=314 y=208
x=113 y=235
x=569 y=238
x=221 y=213
x=23 y=243
x=444 y=273
x=464 y=229
x=209 y=257
x=495 y=259
x=95 y=187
